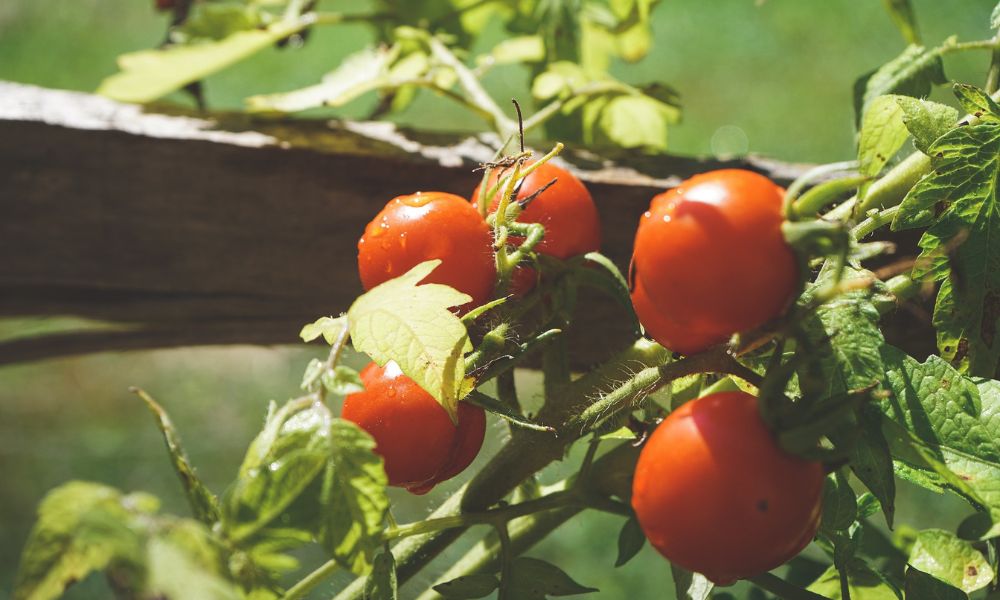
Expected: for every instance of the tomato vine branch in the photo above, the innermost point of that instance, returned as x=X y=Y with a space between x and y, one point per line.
x=646 y=381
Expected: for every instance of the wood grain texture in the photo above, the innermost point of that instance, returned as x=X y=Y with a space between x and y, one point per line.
x=196 y=230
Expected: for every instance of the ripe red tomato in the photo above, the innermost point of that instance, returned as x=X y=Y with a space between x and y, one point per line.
x=424 y=226
x=418 y=442
x=716 y=495
x=711 y=260
x=566 y=210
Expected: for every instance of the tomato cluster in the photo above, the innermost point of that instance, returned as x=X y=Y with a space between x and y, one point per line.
x=418 y=442
x=712 y=490
x=564 y=208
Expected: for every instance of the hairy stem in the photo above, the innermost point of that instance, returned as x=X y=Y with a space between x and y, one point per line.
x=649 y=380
x=993 y=76
x=495 y=517
x=609 y=475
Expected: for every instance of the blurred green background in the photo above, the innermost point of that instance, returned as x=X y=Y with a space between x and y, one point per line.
x=771 y=77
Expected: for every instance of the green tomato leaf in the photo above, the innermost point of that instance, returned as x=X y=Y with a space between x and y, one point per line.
x=840 y=505
x=868 y=505
x=284 y=459
x=637 y=121
x=314 y=370
x=912 y=73
x=950 y=421
x=82 y=527
x=217 y=21
x=842 y=339
x=342 y=381
x=882 y=134
x=360 y=73
x=863 y=584
x=353 y=498
x=411 y=325
x=841 y=345
x=630 y=541
x=329 y=327
x=535 y=579
x=942 y=555
x=622 y=433
x=690 y=586
x=521 y=49
x=558 y=79
x=151 y=74
x=175 y=573
x=918 y=584
x=381 y=582
x=203 y=502
x=926 y=121
x=905 y=19
x=479 y=585
x=961 y=246
x=871 y=461
x=977 y=102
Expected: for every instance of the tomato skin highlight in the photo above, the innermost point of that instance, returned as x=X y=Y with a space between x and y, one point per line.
x=418 y=442
x=566 y=210
x=715 y=494
x=427 y=225
x=711 y=259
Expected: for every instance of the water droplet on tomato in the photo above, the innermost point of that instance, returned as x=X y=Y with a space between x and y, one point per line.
x=402 y=240
x=416 y=200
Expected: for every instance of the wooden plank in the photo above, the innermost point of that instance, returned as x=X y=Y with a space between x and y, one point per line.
x=216 y=229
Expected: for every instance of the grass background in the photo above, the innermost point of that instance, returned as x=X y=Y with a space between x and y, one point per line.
x=770 y=77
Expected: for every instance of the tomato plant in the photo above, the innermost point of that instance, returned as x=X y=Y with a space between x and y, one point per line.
x=424 y=226
x=715 y=494
x=711 y=259
x=739 y=284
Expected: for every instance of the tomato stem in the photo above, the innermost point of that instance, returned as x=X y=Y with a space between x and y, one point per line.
x=310 y=581
x=993 y=77
x=822 y=171
x=496 y=517
x=646 y=381
x=874 y=222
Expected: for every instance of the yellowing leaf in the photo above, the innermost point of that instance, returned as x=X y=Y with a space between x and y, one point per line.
x=411 y=325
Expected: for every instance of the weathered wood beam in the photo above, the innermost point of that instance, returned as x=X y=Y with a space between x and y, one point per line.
x=217 y=229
